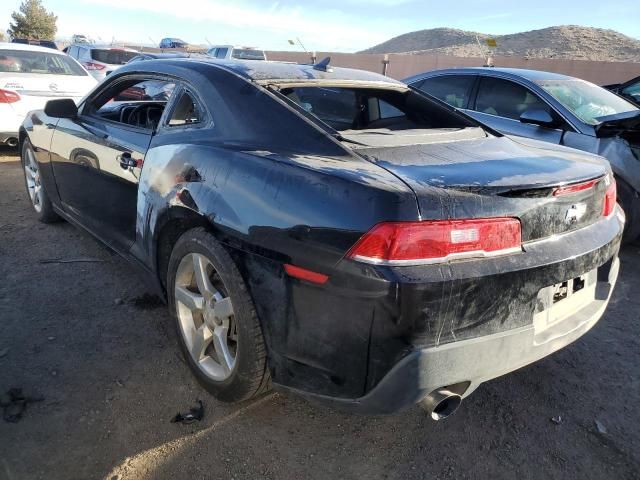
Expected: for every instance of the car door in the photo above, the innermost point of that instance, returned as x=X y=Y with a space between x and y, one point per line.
x=97 y=157
x=499 y=103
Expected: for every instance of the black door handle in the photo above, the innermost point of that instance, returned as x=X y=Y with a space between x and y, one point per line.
x=126 y=161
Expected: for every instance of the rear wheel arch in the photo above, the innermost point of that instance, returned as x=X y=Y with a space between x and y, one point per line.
x=173 y=224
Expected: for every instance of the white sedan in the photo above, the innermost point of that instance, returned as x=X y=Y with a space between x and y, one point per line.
x=29 y=77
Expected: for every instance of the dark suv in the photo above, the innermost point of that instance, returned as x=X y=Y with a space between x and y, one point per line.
x=39 y=43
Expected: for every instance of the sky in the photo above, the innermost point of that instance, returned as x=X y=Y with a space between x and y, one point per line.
x=321 y=25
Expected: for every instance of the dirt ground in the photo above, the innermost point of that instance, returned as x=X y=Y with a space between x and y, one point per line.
x=104 y=357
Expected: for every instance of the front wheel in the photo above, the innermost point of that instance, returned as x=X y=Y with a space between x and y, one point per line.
x=35 y=188
x=216 y=321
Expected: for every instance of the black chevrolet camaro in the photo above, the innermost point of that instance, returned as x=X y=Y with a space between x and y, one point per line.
x=332 y=232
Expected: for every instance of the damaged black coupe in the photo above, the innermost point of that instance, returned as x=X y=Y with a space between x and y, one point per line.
x=331 y=232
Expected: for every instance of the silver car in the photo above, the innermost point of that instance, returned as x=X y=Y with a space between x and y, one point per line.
x=100 y=61
x=232 y=52
x=553 y=108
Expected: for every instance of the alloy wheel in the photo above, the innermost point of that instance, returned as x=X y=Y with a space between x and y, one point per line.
x=205 y=316
x=32 y=175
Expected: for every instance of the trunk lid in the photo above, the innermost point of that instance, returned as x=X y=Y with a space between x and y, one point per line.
x=36 y=90
x=494 y=177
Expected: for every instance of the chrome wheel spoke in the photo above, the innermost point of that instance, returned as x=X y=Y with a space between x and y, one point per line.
x=200 y=264
x=200 y=340
x=189 y=299
x=225 y=358
x=29 y=172
x=206 y=316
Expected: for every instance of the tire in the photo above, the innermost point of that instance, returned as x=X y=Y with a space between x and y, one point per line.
x=630 y=203
x=238 y=371
x=36 y=190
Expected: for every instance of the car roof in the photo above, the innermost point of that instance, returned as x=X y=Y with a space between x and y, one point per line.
x=29 y=48
x=272 y=70
x=266 y=72
x=531 y=75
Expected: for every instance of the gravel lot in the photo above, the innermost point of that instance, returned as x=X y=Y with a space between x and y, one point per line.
x=104 y=357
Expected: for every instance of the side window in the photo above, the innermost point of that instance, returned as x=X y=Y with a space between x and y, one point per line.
x=222 y=52
x=507 y=99
x=213 y=52
x=378 y=109
x=73 y=52
x=389 y=111
x=452 y=89
x=134 y=102
x=186 y=111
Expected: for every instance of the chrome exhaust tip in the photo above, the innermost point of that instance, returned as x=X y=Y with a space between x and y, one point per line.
x=12 y=142
x=441 y=403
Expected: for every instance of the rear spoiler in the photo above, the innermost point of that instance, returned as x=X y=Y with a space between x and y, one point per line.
x=617 y=123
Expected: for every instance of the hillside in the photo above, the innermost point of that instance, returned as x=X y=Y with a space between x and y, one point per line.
x=567 y=42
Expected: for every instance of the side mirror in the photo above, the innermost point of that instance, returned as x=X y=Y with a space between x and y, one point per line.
x=61 y=108
x=541 y=118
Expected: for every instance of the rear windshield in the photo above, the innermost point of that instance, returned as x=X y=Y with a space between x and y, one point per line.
x=585 y=100
x=344 y=108
x=112 y=57
x=247 y=54
x=19 y=61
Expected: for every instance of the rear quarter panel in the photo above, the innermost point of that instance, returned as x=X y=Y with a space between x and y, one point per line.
x=271 y=209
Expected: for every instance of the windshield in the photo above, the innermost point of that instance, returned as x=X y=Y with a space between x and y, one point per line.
x=21 y=61
x=112 y=56
x=585 y=100
x=247 y=54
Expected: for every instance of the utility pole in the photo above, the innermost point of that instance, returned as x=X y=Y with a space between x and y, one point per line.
x=385 y=64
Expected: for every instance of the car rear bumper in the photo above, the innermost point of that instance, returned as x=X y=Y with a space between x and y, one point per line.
x=510 y=320
x=8 y=137
x=468 y=363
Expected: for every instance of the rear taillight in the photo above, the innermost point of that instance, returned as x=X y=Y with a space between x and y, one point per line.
x=435 y=241
x=7 y=96
x=610 y=198
x=92 y=66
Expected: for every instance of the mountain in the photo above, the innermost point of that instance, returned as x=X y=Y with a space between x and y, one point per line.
x=567 y=42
